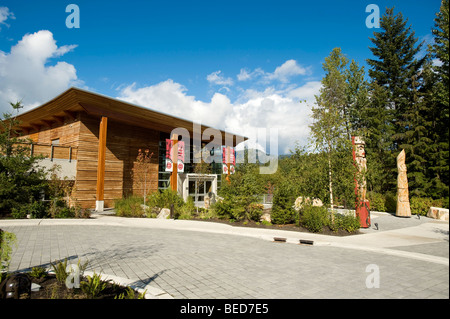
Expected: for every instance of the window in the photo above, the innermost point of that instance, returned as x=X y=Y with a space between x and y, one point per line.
x=55 y=141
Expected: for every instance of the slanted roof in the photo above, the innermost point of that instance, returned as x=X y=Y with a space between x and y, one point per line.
x=75 y=100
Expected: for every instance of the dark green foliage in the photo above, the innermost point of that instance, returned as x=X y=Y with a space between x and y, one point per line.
x=165 y=199
x=283 y=202
x=241 y=194
x=22 y=182
x=390 y=202
x=346 y=222
x=421 y=205
x=408 y=107
x=36 y=209
x=314 y=218
x=129 y=206
x=377 y=201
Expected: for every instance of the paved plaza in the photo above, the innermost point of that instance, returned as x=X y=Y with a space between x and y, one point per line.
x=405 y=258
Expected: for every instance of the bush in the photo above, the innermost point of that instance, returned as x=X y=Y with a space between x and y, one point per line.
x=346 y=222
x=223 y=209
x=283 y=202
x=165 y=198
x=390 y=202
x=37 y=209
x=93 y=286
x=282 y=216
x=254 y=212
x=377 y=201
x=7 y=242
x=129 y=207
x=421 y=205
x=314 y=218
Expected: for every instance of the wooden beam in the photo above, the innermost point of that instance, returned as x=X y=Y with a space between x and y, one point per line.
x=47 y=123
x=101 y=159
x=58 y=119
x=228 y=165
x=25 y=130
x=174 y=175
x=36 y=127
x=71 y=115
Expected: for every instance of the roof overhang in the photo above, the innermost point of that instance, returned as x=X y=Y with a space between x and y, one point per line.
x=75 y=100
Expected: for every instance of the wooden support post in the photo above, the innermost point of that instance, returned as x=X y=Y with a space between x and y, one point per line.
x=228 y=164
x=174 y=155
x=99 y=204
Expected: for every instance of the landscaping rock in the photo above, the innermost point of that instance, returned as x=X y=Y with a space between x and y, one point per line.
x=266 y=217
x=164 y=213
x=438 y=213
x=300 y=201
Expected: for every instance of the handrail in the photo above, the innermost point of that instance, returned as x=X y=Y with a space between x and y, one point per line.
x=35 y=145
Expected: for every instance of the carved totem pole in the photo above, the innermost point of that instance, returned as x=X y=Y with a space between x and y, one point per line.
x=403 y=208
x=362 y=204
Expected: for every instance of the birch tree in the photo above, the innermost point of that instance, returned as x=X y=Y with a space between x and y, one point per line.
x=329 y=130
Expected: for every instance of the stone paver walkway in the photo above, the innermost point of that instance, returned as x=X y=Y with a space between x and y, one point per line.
x=190 y=259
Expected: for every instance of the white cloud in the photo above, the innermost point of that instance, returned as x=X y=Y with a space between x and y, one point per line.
x=216 y=78
x=245 y=75
x=282 y=73
x=171 y=98
x=25 y=73
x=288 y=69
x=5 y=14
x=253 y=109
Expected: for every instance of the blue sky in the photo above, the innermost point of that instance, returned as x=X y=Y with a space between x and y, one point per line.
x=237 y=64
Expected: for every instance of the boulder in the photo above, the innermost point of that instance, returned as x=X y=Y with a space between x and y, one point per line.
x=266 y=217
x=300 y=201
x=438 y=213
x=164 y=213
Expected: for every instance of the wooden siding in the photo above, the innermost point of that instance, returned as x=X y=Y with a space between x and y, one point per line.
x=67 y=133
x=122 y=144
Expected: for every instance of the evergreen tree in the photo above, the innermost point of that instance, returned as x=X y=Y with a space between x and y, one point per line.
x=437 y=95
x=396 y=65
x=21 y=180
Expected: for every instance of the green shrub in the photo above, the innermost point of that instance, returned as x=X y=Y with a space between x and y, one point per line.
x=38 y=272
x=165 y=198
x=377 y=201
x=390 y=202
x=254 y=212
x=65 y=212
x=283 y=202
x=346 y=222
x=19 y=212
x=129 y=206
x=60 y=270
x=421 y=205
x=7 y=242
x=314 y=218
x=282 y=216
x=36 y=209
x=93 y=286
x=445 y=203
x=223 y=209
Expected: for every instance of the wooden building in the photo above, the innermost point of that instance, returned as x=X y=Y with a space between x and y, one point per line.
x=95 y=139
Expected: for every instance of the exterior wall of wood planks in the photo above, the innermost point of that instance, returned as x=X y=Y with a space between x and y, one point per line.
x=122 y=145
